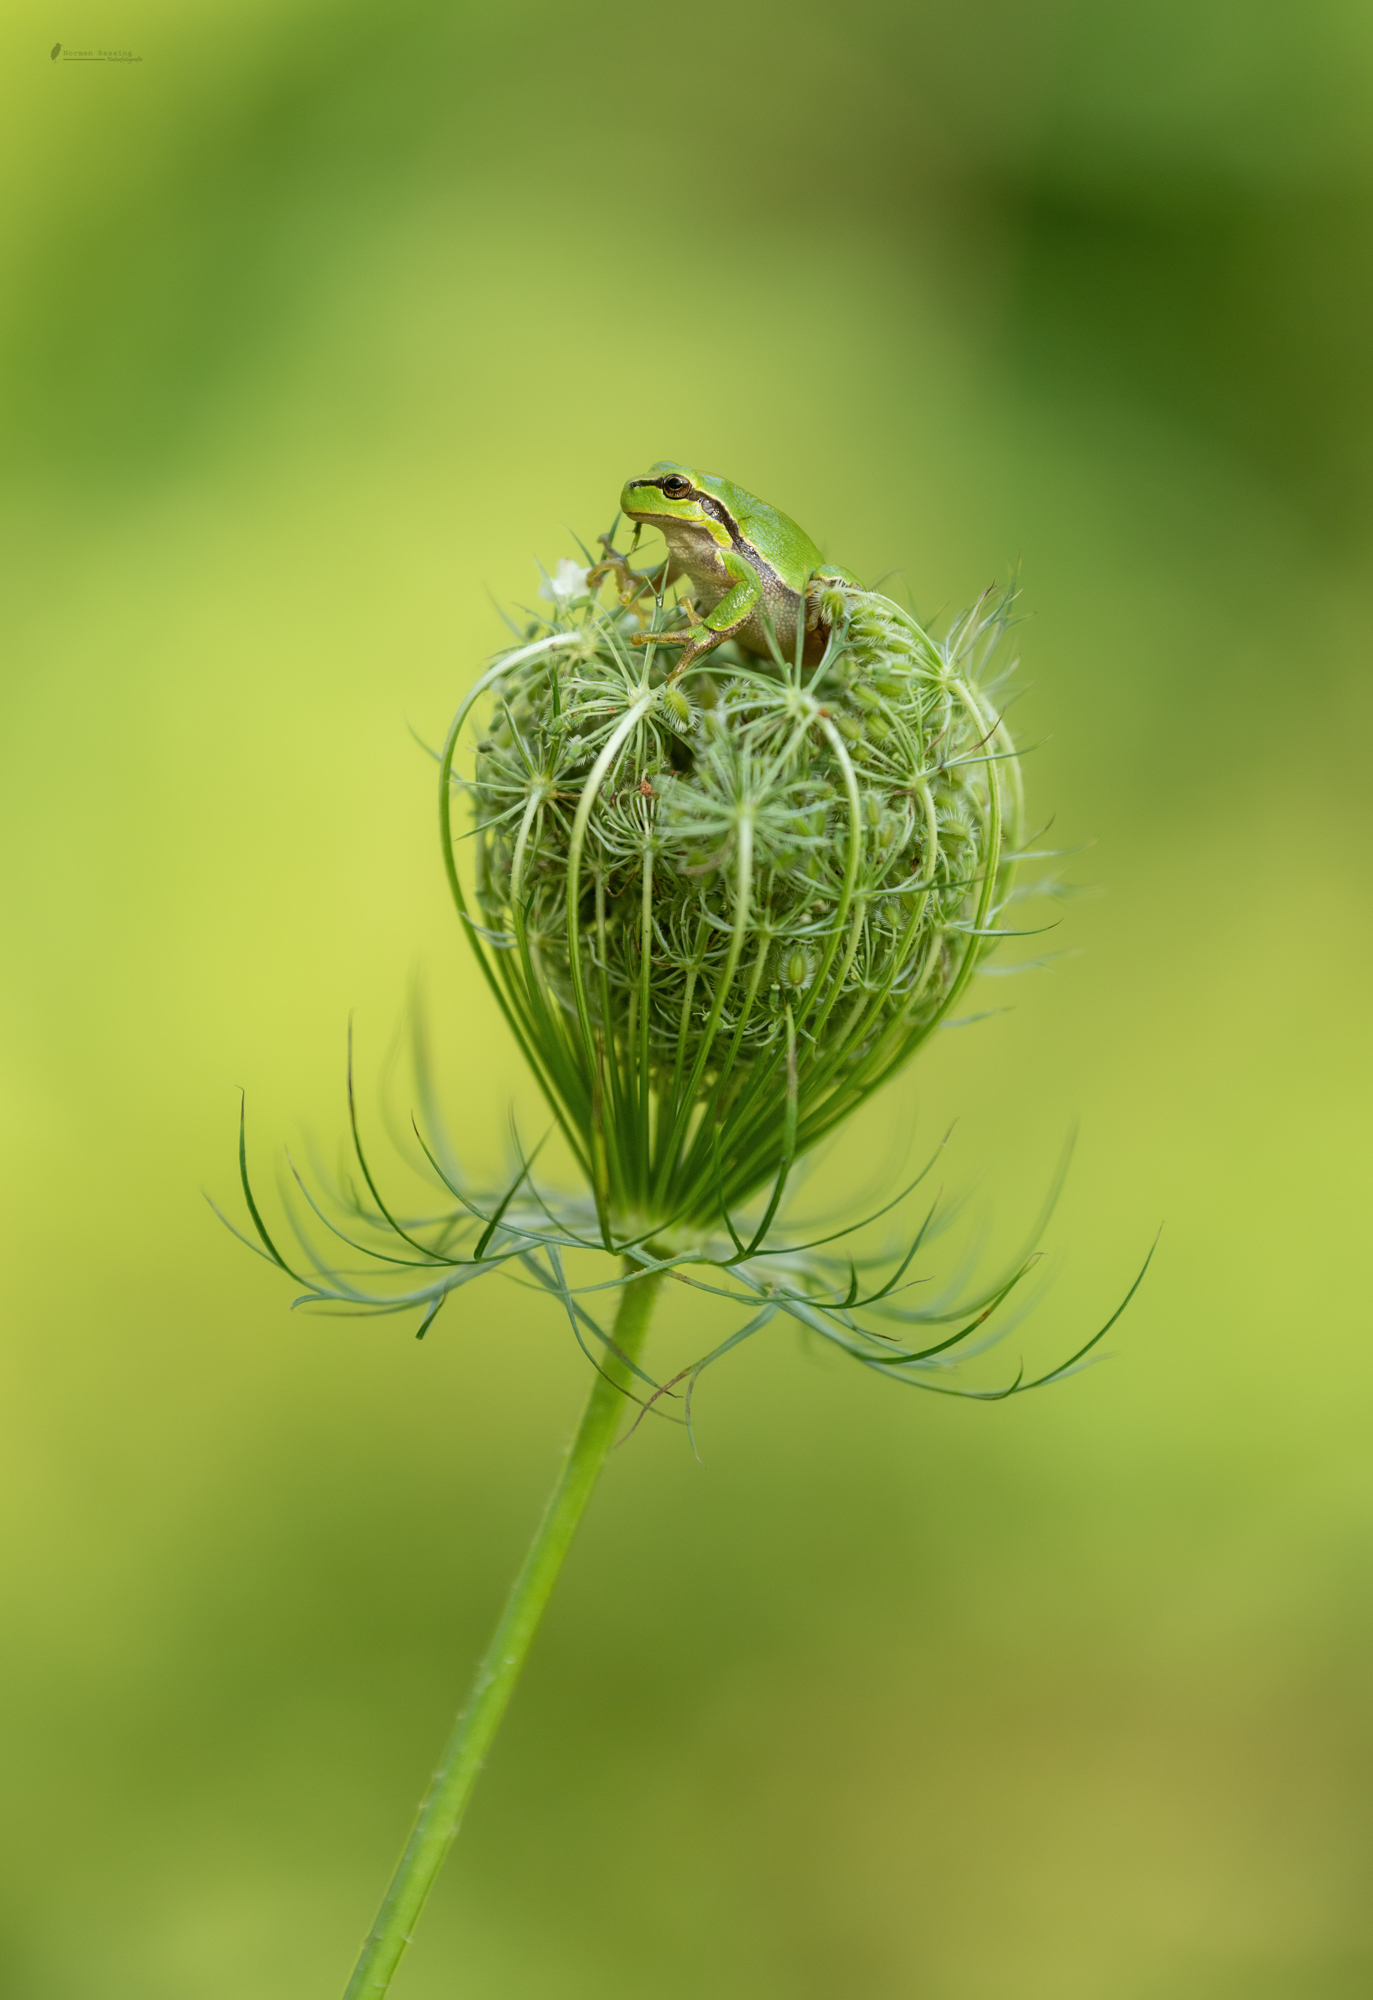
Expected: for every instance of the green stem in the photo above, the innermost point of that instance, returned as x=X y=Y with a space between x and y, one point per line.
x=442 y=1811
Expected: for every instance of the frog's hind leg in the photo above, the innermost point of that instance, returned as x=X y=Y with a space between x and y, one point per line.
x=726 y=621
x=696 y=640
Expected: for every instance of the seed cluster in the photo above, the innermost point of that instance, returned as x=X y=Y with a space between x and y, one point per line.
x=771 y=868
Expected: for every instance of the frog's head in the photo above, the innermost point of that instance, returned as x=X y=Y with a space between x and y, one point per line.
x=668 y=492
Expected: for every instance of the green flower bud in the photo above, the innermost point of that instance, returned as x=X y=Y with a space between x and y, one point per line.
x=712 y=938
x=830 y=601
x=677 y=708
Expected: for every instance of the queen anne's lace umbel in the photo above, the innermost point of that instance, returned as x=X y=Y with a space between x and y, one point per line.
x=721 y=910
x=718 y=913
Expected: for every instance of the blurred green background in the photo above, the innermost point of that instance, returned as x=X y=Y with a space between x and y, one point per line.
x=315 y=325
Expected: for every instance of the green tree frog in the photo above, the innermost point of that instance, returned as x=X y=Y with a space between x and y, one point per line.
x=749 y=564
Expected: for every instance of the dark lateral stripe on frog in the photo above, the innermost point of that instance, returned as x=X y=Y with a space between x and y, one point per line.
x=710 y=505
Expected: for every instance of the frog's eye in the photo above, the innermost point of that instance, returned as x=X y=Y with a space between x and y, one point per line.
x=675 y=486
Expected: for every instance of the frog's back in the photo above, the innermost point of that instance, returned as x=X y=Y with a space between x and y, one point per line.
x=790 y=549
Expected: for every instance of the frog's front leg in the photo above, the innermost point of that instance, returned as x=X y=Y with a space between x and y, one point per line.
x=726 y=621
x=631 y=583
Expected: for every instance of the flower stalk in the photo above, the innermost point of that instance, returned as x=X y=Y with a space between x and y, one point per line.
x=440 y=1815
